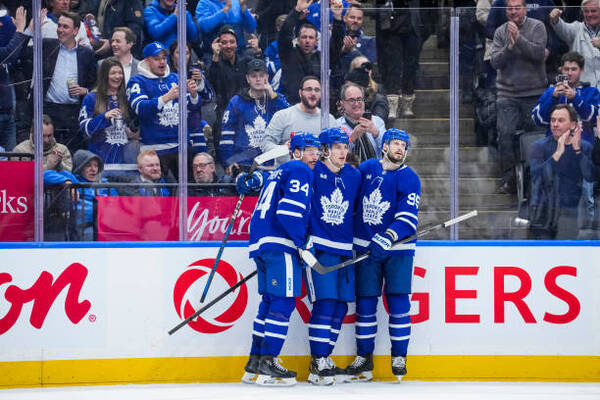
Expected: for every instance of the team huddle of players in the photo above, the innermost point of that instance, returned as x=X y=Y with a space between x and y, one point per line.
x=320 y=203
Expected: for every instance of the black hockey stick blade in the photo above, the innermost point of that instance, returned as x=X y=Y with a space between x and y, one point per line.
x=212 y=303
x=272 y=154
x=309 y=259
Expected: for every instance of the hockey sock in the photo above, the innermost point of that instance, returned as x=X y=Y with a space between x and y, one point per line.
x=258 y=331
x=399 y=325
x=319 y=327
x=341 y=308
x=276 y=324
x=366 y=325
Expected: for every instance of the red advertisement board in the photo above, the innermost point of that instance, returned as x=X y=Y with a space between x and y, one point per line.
x=156 y=218
x=16 y=201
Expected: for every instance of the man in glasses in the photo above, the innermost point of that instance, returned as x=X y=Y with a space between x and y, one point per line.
x=304 y=116
x=366 y=129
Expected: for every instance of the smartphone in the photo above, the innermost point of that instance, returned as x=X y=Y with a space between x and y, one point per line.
x=367 y=115
x=562 y=78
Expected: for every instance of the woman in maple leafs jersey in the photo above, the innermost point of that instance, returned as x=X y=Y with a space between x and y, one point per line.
x=387 y=212
x=246 y=118
x=335 y=193
x=99 y=111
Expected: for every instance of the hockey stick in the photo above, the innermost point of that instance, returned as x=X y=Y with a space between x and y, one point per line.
x=212 y=303
x=278 y=151
x=310 y=259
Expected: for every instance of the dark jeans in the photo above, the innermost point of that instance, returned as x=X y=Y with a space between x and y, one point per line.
x=512 y=114
x=398 y=56
x=66 y=125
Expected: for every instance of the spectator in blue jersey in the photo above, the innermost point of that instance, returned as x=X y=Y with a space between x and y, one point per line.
x=298 y=53
x=246 y=118
x=212 y=15
x=559 y=165
x=160 y=22
x=366 y=131
x=335 y=193
x=277 y=229
x=107 y=121
x=154 y=95
x=13 y=41
x=387 y=211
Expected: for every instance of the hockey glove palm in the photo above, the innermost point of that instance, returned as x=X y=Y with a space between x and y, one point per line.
x=380 y=245
x=246 y=184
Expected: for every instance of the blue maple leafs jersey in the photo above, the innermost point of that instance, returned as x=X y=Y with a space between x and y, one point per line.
x=388 y=200
x=280 y=218
x=332 y=208
x=244 y=125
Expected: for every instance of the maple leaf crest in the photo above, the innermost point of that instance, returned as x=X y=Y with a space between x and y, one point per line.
x=116 y=135
x=374 y=208
x=334 y=208
x=256 y=131
x=169 y=115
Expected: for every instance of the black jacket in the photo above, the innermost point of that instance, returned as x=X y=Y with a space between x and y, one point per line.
x=87 y=66
x=295 y=65
x=8 y=55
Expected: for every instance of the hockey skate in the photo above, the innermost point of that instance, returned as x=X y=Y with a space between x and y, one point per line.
x=271 y=373
x=339 y=373
x=361 y=369
x=251 y=369
x=322 y=371
x=399 y=367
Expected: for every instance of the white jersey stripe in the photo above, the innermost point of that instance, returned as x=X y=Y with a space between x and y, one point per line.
x=331 y=243
x=271 y=239
x=290 y=213
x=293 y=202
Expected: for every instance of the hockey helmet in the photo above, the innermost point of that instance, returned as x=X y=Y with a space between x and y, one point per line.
x=303 y=140
x=395 y=133
x=333 y=135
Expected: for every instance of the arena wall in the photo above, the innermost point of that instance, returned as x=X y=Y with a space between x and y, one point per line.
x=73 y=314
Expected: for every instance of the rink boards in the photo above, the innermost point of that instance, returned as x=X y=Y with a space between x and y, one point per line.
x=99 y=313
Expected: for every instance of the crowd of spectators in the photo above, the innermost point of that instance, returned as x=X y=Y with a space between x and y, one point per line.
x=110 y=79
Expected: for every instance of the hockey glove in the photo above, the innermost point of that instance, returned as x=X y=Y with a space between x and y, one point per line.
x=307 y=253
x=249 y=184
x=380 y=245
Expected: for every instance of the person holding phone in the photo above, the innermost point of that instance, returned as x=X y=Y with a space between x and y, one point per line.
x=246 y=118
x=365 y=129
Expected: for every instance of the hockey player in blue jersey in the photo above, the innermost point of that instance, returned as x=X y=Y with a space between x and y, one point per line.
x=335 y=192
x=277 y=229
x=387 y=212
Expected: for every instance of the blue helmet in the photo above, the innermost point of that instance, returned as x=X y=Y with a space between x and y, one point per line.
x=333 y=135
x=302 y=140
x=395 y=133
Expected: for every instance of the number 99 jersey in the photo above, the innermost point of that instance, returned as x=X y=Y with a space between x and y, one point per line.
x=389 y=200
x=280 y=218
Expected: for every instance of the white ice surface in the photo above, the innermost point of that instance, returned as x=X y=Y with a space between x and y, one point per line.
x=407 y=390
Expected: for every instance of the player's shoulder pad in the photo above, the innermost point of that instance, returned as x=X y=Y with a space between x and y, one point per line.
x=410 y=177
x=350 y=172
x=369 y=165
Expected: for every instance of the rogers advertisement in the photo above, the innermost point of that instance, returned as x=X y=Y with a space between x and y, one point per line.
x=155 y=218
x=16 y=201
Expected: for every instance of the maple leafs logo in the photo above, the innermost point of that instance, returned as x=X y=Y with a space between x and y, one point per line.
x=256 y=131
x=374 y=208
x=335 y=208
x=169 y=115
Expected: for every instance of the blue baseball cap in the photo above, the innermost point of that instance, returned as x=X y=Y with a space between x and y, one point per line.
x=154 y=49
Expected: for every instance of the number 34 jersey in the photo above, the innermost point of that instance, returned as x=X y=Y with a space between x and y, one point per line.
x=280 y=219
x=388 y=200
x=332 y=208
